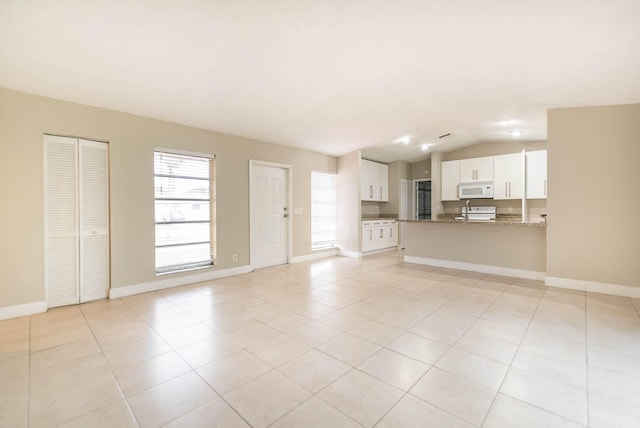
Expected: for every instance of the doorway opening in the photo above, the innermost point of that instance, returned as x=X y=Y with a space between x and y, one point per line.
x=422 y=202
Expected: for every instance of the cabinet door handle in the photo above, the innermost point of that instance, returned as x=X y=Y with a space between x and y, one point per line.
x=506 y=191
x=509 y=189
x=371 y=192
x=545 y=187
x=391 y=233
x=382 y=233
x=370 y=235
x=380 y=192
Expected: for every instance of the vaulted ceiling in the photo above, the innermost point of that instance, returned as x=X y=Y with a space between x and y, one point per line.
x=330 y=76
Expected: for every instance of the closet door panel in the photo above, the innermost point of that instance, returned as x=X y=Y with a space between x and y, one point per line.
x=61 y=227
x=94 y=220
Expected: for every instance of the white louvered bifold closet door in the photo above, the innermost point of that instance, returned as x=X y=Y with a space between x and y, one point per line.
x=61 y=221
x=94 y=220
x=77 y=220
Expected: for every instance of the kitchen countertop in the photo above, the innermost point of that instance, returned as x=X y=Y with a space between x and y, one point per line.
x=366 y=217
x=505 y=221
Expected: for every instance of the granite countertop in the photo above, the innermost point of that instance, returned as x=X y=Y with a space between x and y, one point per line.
x=366 y=217
x=500 y=220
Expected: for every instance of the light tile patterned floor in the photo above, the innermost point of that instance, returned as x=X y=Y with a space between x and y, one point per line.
x=332 y=343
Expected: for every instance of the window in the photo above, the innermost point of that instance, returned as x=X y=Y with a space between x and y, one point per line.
x=184 y=211
x=323 y=210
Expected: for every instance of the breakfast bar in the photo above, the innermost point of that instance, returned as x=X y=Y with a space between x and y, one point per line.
x=502 y=247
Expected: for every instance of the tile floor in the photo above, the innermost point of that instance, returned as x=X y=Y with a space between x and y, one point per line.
x=333 y=343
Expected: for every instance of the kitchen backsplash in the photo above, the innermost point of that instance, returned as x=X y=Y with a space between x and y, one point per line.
x=370 y=208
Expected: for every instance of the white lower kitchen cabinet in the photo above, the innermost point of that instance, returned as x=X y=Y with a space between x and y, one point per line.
x=379 y=235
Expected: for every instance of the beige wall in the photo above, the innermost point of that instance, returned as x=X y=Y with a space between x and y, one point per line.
x=25 y=118
x=436 y=185
x=398 y=170
x=421 y=169
x=493 y=148
x=507 y=246
x=593 y=200
x=348 y=212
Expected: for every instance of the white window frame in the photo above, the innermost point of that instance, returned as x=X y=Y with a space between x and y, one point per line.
x=212 y=215
x=325 y=244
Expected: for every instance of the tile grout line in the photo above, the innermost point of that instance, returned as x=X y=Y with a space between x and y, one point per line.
x=29 y=375
x=533 y=315
x=113 y=377
x=354 y=367
x=313 y=347
x=534 y=405
x=453 y=345
x=191 y=368
x=586 y=351
x=434 y=364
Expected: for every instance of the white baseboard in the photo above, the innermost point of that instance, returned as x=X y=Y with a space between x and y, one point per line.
x=161 y=284
x=22 y=310
x=594 y=287
x=315 y=256
x=384 y=250
x=494 y=270
x=351 y=254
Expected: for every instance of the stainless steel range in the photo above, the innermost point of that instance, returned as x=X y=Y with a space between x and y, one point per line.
x=478 y=214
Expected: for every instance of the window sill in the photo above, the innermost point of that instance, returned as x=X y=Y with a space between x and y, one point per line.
x=327 y=248
x=171 y=272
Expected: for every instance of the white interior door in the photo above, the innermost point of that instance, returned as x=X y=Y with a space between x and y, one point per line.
x=269 y=216
x=94 y=220
x=76 y=220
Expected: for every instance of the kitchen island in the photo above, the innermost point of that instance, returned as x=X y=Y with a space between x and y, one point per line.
x=501 y=247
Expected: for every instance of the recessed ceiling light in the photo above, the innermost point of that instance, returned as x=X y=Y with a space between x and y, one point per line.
x=425 y=147
x=506 y=122
x=516 y=133
x=404 y=140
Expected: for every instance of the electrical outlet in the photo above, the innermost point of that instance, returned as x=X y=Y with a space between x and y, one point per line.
x=235 y=258
x=510 y=210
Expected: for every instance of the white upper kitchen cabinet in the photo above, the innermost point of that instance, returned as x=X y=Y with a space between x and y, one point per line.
x=383 y=182
x=508 y=176
x=374 y=181
x=536 y=174
x=449 y=180
x=476 y=169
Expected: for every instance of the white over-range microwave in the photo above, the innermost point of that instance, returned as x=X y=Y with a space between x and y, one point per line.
x=479 y=190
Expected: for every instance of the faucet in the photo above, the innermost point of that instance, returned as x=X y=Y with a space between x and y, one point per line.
x=466 y=212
